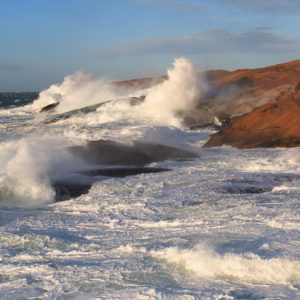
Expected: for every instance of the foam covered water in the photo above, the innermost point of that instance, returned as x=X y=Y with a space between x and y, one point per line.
x=222 y=226
x=248 y=267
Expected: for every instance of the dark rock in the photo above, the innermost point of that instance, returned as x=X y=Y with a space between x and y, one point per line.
x=136 y=100
x=245 y=190
x=157 y=152
x=74 y=112
x=192 y=203
x=107 y=152
x=123 y=172
x=49 y=108
x=67 y=190
x=112 y=153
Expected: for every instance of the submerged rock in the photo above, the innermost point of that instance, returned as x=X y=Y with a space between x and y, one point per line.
x=245 y=190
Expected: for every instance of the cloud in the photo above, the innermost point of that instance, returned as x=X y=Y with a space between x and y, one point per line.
x=272 y=6
x=181 y=5
x=207 y=42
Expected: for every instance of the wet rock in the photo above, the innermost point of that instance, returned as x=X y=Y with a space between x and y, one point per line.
x=245 y=190
x=136 y=100
x=74 y=112
x=192 y=203
x=49 y=108
x=123 y=172
x=256 y=185
x=107 y=152
x=67 y=190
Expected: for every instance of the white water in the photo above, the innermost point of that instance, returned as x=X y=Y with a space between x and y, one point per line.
x=180 y=92
x=79 y=90
x=248 y=267
x=171 y=235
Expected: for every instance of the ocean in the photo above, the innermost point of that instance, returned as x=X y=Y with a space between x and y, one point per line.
x=221 y=225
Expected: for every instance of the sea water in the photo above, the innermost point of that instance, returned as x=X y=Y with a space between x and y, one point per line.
x=222 y=226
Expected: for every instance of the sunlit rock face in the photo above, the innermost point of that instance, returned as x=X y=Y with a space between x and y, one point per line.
x=275 y=121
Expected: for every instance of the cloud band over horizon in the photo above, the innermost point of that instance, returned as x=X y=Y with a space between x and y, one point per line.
x=266 y=6
x=206 y=42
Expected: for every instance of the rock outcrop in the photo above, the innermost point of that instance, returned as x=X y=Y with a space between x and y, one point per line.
x=140 y=83
x=271 y=125
x=106 y=152
x=49 y=107
x=130 y=159
x=65 y=190
x=275 y=122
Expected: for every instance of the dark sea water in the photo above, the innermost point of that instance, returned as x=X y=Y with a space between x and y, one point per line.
x=10 y=100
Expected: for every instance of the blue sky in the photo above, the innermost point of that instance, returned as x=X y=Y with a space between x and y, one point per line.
x=44 y=40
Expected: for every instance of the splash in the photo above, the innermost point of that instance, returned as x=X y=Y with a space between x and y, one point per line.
x=27 y=167
x=181 y=92
x=79 y=90
x=184 y=87
x=205 y=262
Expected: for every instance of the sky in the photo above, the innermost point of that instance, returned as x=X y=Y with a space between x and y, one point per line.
x=42 y=41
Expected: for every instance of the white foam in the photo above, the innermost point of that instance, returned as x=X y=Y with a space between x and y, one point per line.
x=283 y=188
x=277 y=160
x=26 y=168
x=79 y=90
x=180 y=92
x=129 y=249
x=205 y=262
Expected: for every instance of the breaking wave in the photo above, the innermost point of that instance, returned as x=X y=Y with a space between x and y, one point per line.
x=205 y=262
x=79 y=90
x=180 y=92
x=27 y=167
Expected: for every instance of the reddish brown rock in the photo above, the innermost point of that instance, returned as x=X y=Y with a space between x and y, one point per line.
x=275 y=124
x=140 y=82
x=263 y=79
x=247 y=89
x=271 y=125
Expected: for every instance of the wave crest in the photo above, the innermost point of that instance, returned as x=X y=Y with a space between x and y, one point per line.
x=205 y=262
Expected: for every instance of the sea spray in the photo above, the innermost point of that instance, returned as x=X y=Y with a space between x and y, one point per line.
x=27 y=167
x=181 y=92
x=205 y=262
x=79 y=90
x=184 y=87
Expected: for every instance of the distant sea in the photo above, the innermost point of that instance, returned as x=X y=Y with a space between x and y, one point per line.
x=15 y=99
